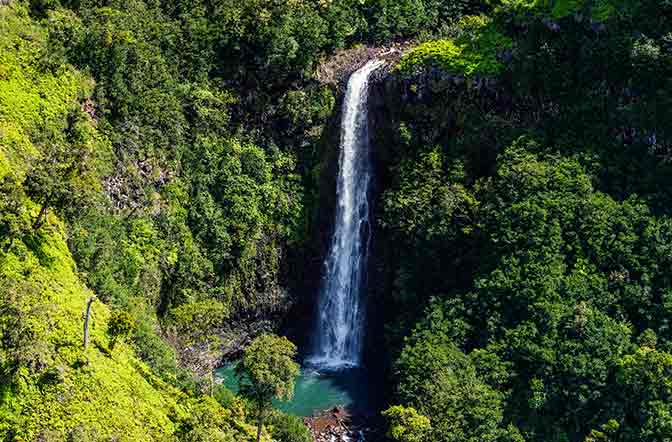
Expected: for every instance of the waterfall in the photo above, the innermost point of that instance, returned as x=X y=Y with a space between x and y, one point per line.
x=340 y=320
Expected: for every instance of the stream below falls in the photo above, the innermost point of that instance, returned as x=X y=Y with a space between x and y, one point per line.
x=317 y=391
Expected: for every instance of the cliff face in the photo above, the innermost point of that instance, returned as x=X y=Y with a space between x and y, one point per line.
x=428 y=105
x=306 y=263
x=428 y=108
x=307 y=266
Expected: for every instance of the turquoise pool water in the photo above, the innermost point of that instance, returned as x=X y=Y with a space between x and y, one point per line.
x=316 y=391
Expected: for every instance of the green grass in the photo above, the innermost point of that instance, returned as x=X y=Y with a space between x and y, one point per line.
x=472 y=53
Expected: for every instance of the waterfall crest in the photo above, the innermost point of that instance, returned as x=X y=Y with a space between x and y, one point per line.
x=340 y=322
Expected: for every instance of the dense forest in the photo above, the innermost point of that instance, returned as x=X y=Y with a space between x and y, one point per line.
x=169 y=165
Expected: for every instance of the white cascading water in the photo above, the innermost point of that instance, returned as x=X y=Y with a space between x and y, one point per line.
x=340 y=323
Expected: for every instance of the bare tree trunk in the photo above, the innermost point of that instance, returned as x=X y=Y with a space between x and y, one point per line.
x=259 y=424
x=86 y=321
x=41 y=217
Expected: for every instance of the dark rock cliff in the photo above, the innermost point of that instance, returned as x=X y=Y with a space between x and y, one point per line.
x=431 y=105
x=429 y=108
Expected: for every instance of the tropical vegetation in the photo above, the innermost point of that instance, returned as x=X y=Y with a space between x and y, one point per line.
x=172 y=163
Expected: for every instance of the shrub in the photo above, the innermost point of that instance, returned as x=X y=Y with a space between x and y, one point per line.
x=406 y=424
x=120 y=326
x=474 y=52
x=287 y=428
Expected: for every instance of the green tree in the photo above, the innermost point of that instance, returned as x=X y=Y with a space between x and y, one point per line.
x=120 y=326
x=645 y=378
x=439 y=380
x=267 y=371
x=65 y=175
x=406 y=424
x=288 y=428
x=13 y=212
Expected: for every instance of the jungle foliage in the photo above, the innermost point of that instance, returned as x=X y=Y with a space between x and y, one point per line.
x=168 y=157
x=525 y=226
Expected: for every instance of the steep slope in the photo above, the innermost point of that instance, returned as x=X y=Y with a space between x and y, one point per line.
x=51 y=388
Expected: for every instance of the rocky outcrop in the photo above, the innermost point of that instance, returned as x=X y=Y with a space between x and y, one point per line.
x=341 y=425
x=336 y=69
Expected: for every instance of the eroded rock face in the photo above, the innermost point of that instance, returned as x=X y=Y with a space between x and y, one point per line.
x=341 y=425
x=336 y=69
